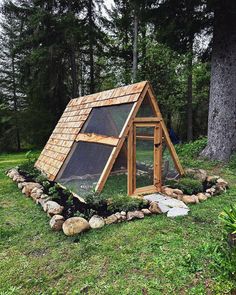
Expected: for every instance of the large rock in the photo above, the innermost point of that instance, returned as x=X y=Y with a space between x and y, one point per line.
x=52 y=208
x=154 y=198
x=163 y=208
x=154 y=208
x=96 y=221
x=111 y=219
x=167 y=191
x=175 y=212
x=174 y=203
x=21 y=185
x=56 y=222
x=202 y=197
x=29 y=186
x=18 y=178
x=36 y=193
x=189 y=199
x=146 y=211
x=199 y=174
x=211 y=191
x=212 y=179
x=75 y=225
x=134 y=215
x=120 y=217
x=177 y=192
x=222 y=183
x=12 y=172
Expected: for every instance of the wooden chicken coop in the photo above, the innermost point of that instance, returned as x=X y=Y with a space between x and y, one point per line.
x=115 y=131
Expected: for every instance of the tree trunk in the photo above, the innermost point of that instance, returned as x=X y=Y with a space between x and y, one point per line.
x=135 y=47
x=190 y=95
x=222 y=107
x=91 y=51
x=73 y=72
x=15 y=107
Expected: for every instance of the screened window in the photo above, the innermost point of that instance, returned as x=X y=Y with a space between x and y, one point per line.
x=169 y=170
x=145 y=109
x=86 y=161
x=108 y=120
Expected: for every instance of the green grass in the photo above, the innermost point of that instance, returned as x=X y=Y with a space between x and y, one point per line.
x=154 y=256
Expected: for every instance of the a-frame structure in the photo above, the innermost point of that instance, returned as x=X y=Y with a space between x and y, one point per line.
x=95 y=130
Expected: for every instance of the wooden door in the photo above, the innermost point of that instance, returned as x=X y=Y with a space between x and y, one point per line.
x=144 y=158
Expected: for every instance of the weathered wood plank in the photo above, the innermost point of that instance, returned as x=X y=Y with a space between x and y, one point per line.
x=92 y=137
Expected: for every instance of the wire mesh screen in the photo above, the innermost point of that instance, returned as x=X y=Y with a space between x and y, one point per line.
x=144 y=156
x=145 y=109
x=169 y=170
x=86 y=161
x=108 y=120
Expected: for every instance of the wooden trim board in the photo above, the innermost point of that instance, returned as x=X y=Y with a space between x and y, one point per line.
x=97 y=138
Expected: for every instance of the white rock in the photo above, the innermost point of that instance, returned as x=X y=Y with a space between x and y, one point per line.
x=163 y=207
x=154 y=198
x=174 y=203
x=20 y=185
x=12 y=172
x=75 y=225
x=52 y=208
x=56 y=222
x=96 y=221
x=174 y=212
x=29 y=186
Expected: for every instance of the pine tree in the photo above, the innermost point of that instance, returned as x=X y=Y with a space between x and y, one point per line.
x=12 y=97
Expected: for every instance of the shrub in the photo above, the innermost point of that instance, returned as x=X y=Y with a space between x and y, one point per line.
x=189 y=186
x=27 y=167
x=228 y=217
x=122 y=203
x=87 y=214
x=191 y=149
x=96 y=201
x=41 y=179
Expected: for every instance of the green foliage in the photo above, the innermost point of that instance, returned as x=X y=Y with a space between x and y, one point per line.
x=123 y=203
x=191 y=149
x=189 y=186
x=87 y=214
x=96 y=201
x=224 y=258
x=69 y=201
x=228 y=217
x=54 y=192
x=27 y=166
x=42 y=179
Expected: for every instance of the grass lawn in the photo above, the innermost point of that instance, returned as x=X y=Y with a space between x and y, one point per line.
x=155 y=256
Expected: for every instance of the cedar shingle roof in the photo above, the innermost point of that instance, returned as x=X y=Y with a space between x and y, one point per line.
x=76 y=113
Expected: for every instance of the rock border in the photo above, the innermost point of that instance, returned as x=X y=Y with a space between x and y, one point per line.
x=170 y=201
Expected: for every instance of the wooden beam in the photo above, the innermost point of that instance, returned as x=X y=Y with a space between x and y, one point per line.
x=146 y=119
x=145 y=137
x=157 y=156
x=166 y=133
x=97 y=138
x=130 y=186
x=146 y=190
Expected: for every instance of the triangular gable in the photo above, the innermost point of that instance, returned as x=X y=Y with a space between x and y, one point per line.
x=147 y=90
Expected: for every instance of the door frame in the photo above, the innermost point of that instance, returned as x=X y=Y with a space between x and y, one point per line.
x=157 y=153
